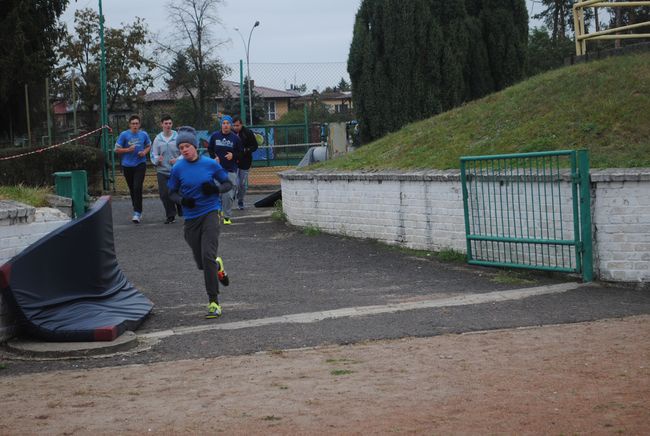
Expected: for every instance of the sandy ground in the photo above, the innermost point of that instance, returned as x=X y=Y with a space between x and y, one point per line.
x=588 y=378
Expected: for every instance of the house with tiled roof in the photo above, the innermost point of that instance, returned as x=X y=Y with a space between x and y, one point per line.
x=276 y=102
x=337 y=102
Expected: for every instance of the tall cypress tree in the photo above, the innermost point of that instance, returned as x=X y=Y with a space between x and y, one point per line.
x=410 y=60
x=505 y=33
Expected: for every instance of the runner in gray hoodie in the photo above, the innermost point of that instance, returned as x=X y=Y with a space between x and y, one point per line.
x=164 y=154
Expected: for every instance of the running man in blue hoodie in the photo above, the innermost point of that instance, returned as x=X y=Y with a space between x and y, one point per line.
x=192 y=185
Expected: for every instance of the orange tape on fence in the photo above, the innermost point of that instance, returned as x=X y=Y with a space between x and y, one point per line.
x=40 y=150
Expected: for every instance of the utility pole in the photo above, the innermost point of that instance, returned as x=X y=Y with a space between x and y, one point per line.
x=102 y=85
x=29 y=127
x=48 y=109
x=74 y=104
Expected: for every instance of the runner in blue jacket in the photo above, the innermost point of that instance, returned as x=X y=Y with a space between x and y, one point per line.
x=133 y=146
x=225 y=146
x=192 y=185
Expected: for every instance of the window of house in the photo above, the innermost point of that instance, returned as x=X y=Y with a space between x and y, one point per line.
x=341 y=108
x=270 y=110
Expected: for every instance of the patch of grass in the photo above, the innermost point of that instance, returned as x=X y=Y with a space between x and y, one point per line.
x=271 y=418
x=512 y=278
x=341 y=371
x=311 y=231
x=594 y=106
x=3 y=366
x=282 y=387
x=341 y=361
x=451 y=255
x=35 y=197
x=405 y=250
x=446 y=255
x=278 y=214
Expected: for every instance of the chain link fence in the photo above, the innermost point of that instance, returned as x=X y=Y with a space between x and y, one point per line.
x=296 y=101
x=304 y=77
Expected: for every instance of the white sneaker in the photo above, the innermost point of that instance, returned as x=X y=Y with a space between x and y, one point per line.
x=136 y=217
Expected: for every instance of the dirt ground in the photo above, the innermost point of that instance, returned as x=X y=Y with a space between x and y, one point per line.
x=588 y=378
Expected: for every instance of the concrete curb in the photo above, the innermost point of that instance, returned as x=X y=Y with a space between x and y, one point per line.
x=46 y=350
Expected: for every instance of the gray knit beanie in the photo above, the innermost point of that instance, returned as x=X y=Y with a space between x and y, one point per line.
x=187 y=134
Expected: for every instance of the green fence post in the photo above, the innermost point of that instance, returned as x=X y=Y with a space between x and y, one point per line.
x=73 y=185
x=463 y=181
x=304 y=108
x=268 y=144
x=585 y=216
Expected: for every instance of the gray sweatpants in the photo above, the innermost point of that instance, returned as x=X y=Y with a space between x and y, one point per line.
x=228 y=198
x=202 y=235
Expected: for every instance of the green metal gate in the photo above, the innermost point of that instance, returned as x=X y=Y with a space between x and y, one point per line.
x=529 y=210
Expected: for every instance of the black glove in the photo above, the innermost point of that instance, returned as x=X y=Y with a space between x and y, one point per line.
x=188 y=202
x=209 y=188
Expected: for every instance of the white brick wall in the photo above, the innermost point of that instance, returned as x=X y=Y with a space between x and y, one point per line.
x=15 y=236
x=382 y=207
x=622 y=225
x=424 y=210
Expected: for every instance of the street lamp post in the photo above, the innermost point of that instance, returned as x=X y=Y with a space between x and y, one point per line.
x=248 y=71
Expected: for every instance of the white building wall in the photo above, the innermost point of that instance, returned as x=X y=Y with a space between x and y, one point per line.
x=424 y=210
x=621 y=218
x=411 y=213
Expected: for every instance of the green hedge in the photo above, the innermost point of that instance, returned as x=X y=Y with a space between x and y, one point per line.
x=37 y=169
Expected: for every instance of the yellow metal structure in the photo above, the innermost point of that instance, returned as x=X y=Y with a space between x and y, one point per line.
x=579 y=22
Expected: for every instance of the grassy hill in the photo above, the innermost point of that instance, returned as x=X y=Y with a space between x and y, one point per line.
x=601 y=106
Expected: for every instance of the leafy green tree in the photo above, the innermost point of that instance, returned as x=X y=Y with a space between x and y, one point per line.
x=29 y=34
x=558 y=17
x=128 y=69
x=302 y=88
x=344 y=85
x=195 y=68
x=545 y=54
x=629 y=15
x=293 y=116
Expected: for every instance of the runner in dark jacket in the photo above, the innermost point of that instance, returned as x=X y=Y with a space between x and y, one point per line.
x=249 y=145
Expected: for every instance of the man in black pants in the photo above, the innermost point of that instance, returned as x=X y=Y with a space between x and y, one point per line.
x=133 y=146
x=249 y=145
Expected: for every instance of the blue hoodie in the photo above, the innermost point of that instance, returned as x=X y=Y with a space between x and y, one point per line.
x=221 y=144
x=187 y=178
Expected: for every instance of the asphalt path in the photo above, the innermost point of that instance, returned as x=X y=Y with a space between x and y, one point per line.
x=291 y=289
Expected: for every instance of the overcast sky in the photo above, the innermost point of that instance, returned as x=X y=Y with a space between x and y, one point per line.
x=290 y=31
